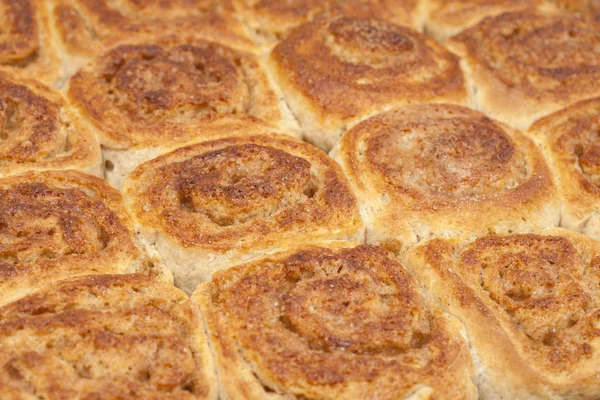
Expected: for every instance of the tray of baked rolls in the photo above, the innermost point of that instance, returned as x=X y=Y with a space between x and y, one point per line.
x=300 y=199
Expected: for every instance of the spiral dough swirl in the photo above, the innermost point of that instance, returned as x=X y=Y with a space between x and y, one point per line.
x=546 y=287
x=153 y=93
x=38 y=131
x=59 y=224
x=321 y=323
x=117 y=336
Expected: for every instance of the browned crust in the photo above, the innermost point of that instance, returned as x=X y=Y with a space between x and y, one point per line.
x=273 y=20
x=337 y=322
x=245 y=192
x=570 y=140
x=39 y=131
x=325 y=61
x=57 y=224
x=444 y=170
x=446 y=18
x=25 y=42
x=118 y=336
x=152 y=93
x=529 y=303
x=551 y=65
x=86 y=27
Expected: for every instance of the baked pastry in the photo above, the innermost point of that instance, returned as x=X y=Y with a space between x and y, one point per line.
x=530 y=306
x=273 y=20
x=334 y=73
x=446 y=18
x=526 y=65
x=25 y=42
x=227 y=200
x=38 y=131
x=570 y=141
x=86 y=28
x=105 y=336
x=423 y=171
x=143 y=96
x=335 y=322
x=58 y=224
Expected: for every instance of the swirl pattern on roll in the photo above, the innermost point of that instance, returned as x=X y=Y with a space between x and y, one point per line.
x=87 y=26
x=530 y=303
x=58 y=224
x=334 y=72
x=242 y=195
x=104 y=336
x=25 y=44
x=38 y=131
x=273 y=20
x=446 y=18
x=571 y=140
x=428 y=170
x=153 y=93
x=526 y=65
x=328 y=323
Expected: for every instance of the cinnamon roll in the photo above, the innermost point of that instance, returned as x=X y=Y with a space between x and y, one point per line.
x=446 y=18
x=230 y=199
x=85 y=28
x=38 y=131
x=530 y=306
x=525 y=65
x=273 y=20
x=336 y=322
x=336 y=72
x=105 y=336
x=58 y=224
x=26 y=45
x=570 y=140
x=425 y=171
x=145 y=98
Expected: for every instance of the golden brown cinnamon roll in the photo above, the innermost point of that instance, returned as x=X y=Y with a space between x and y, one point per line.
x=38 y=131
x=445 y=18
x=531 y=308
x=58 y=224
x=331 y=322
x=25 y=42
x=143 y=98
x=85 y=28
x=105 y=336
x=336 y=72
x=273 y=20
x=230 y=199
x=525 y=65
x=571 y=141
x=442 y=170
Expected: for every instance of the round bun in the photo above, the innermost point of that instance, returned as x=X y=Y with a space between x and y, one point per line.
x=230 y=199
x=336 y=72
x=58 y=224
x=425 y=171
x=335 y=322
x=86 y=28
x=166 y=92
x=526 y=65
x=446 y=18
x=570 y=140
x=39 y=131
x=530 y=307
x=25 y=43
x=105 y=336
x=273 y=20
